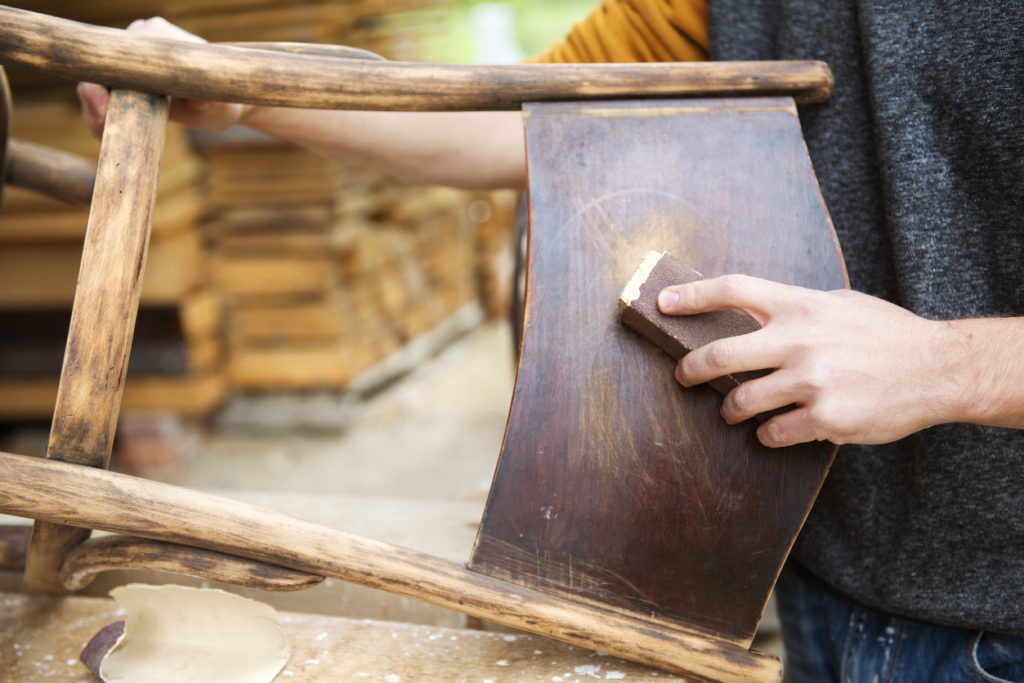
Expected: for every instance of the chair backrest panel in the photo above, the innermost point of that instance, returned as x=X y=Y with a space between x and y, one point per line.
x=616 y=485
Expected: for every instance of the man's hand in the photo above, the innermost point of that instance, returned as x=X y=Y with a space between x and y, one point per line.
x=859 y=369
x=199 y=114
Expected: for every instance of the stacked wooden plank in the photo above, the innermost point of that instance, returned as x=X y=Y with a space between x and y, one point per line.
x=177 y=355
x=326 y=269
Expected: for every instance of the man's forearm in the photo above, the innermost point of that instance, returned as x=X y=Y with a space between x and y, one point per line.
x=988 y=368
x=858 y=369
x=469 y=150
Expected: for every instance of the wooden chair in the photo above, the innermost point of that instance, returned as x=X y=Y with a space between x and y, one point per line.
x=625 y=515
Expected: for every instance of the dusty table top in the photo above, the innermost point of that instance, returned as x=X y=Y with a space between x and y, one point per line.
x=42 y=637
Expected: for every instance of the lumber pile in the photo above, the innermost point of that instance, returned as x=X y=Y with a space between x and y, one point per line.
x=326 y=269
x=176 y=361
x=270 y=268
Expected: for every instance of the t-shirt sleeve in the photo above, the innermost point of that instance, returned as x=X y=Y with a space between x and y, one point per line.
x=635 y=31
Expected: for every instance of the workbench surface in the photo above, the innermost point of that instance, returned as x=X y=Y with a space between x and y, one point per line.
x=42 y=637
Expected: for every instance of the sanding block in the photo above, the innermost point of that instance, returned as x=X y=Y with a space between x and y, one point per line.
x=677 y=335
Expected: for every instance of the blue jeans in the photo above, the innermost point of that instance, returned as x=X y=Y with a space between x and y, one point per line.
x=831 y=640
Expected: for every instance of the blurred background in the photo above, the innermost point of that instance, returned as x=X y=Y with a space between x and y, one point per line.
x=282 y=288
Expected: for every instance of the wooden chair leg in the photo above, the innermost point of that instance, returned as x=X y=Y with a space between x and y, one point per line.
x=103 y=318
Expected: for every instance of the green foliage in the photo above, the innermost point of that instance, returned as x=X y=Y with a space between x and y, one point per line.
x=538 y=23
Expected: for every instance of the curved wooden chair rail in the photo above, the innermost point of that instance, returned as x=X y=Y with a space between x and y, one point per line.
x=127 y=552
x=317 y=78
x=85 y=497
x=57 y=174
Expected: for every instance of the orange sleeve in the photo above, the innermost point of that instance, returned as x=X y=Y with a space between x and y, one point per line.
x=636 y=31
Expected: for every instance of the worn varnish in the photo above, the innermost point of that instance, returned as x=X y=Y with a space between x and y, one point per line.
x=96 y=499
x=126 y=552
x=115 y=58
x=103 y=318
x=616 y=486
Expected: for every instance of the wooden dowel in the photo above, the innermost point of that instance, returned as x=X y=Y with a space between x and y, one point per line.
x=57 y=174
x=103 y=317
x=67 y=49
x=92 y=498
x=13 y=545
x=127 y=552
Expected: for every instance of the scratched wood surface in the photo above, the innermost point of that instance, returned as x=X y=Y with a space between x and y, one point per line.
x=616 y=486
x=42 y=637
x=103 y=317
x=117 y=551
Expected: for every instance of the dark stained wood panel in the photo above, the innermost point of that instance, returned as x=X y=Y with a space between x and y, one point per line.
x=615 y=484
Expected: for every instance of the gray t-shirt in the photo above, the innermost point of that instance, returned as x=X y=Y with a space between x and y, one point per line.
x=920 y=157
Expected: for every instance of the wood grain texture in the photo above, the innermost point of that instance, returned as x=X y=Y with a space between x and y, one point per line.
x=91 y=498
x=80 y=52
x=122 y=552
x=615 y=485
x=106 y=303
x=57 y=174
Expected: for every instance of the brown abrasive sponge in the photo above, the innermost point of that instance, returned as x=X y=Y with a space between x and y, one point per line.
x=677 y=335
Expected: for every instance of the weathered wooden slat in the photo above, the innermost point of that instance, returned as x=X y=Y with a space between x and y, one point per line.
x=115 y=58
x=106 y=303
x=96 y=499
x=57 y=174
x=127 y=552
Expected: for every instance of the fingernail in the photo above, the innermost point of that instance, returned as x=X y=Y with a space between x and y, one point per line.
x=667 y=299
x=679 y=373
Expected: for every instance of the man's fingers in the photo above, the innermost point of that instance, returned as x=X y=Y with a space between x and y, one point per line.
x=158 y=26
x=94 y=100
x=760 y=396
x=755 y=297
x=787 y=429
x=201 y=114
x=754 y=351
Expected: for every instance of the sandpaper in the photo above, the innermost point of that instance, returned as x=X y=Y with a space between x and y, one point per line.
x=677 y=335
